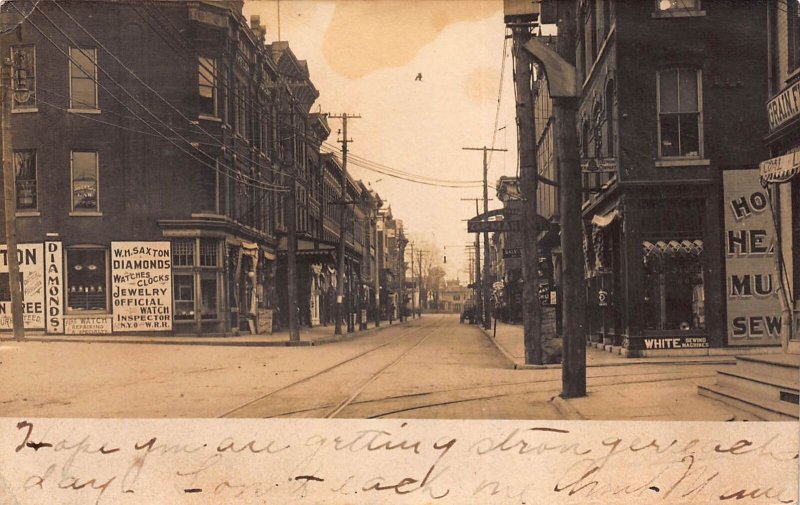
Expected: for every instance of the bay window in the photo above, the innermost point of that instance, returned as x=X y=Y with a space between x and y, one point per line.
x=196 y=271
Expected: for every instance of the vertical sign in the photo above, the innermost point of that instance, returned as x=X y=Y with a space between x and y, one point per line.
x=141 y=277
x=54 y=287
x=754 y=311
x=31 y=269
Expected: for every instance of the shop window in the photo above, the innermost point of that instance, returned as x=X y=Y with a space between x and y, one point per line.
x=207 y=86
x=679 y=114
x=24 y=85
x=184 y=297
x=25 y=179
x=85 y=188
x=674 y=297
x=196 y=271
x=87 y=280
x=83 y=78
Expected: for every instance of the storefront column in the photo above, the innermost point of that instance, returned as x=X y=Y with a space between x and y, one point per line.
x=713 y=270
x=633 y=267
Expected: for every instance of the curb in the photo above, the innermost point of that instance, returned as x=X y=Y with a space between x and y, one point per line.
x=566 y=409
x=512 y=363
x=229 y=342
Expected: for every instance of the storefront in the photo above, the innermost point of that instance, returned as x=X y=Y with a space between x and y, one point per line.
x=781 y=184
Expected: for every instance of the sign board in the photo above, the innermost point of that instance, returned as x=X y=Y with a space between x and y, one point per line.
x=752 y=284
x=602 y=298
x=784 y=107
x=87 y=325
x=494 y=226
x=662 y=343
x=264 y=321
x=141 y=280
x=512 y=252
x=31 y=270
x=54 y=287
x=780 y=169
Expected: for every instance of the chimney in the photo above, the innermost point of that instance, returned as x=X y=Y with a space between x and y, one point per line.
x=258 y=29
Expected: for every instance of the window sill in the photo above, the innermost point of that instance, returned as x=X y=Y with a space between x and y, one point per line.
x=24 y=111
x=683 y=162
x=215 y=119
x=681 y=13
x=84 y=111
x=76 y=213
x=28 y=213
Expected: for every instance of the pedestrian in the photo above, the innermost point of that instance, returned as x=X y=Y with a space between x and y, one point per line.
x=391 y=314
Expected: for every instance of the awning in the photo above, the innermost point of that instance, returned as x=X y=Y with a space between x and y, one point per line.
x=780 y=169
x=672 y=248
x=606 y=219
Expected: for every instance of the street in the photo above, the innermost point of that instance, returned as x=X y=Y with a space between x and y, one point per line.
x=432 y=367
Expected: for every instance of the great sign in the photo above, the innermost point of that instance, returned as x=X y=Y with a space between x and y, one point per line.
x=784 y=107
x=754 y=311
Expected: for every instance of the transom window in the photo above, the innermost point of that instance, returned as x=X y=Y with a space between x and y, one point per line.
x=83 y=78
x=680 y=122
x=673 y=5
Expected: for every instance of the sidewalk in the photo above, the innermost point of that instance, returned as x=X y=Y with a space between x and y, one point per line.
x=509 y=341
x=318 y=335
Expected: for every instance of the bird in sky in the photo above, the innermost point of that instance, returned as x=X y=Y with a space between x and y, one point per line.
x=419 y=77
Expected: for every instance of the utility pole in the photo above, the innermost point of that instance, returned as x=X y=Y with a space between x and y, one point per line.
x=7 y=69
x=413 y=302
x=529 y=180
x=342 y=221
x=291 y=239
x=487 y=323
x=565 y=108
x=419 y=253
x=401 y=269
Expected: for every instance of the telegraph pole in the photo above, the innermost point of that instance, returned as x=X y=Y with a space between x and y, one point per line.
x=478 y=284
x=9 y=189
x=529 y=180
x=413 y=303
x=573 y=371
x=487 y=323
x=342 y=221
x=291 y=239
x=419 y=254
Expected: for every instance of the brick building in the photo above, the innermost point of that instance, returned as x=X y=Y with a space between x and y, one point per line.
x=154 y=146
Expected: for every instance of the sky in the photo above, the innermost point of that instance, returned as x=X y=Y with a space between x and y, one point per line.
x=363 y=57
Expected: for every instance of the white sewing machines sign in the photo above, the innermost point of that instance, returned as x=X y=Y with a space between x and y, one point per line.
x=141 y=275
x=754 y=311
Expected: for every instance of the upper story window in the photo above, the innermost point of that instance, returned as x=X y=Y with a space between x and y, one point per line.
x=83 y=79
x=85 y=182
x=680 y=114
x=207 y=86
x=25 y=178
x=24 y=85
x=793 y=18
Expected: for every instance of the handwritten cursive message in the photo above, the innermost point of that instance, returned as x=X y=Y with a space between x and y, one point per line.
x=395 y=461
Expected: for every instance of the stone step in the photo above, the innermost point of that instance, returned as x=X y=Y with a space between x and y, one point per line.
x=768 y=410
x=757 y=386
x=784 y=367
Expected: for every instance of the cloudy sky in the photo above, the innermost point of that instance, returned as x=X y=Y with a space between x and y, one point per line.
x=363 y=57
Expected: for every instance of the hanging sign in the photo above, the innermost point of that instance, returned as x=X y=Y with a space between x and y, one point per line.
x=494 y=226
x=752 y=284
x=784 y=106
x=780 y=169
x=31 y=271
x=141 y=279
x=512 y=252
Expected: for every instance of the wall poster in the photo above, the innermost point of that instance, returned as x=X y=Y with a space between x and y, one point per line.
x=141 y=282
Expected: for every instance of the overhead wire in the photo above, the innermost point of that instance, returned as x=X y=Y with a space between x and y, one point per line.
x=228 y=172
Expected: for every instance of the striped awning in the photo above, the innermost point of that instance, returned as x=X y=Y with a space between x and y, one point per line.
x=672 y=248
x=780 y=169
